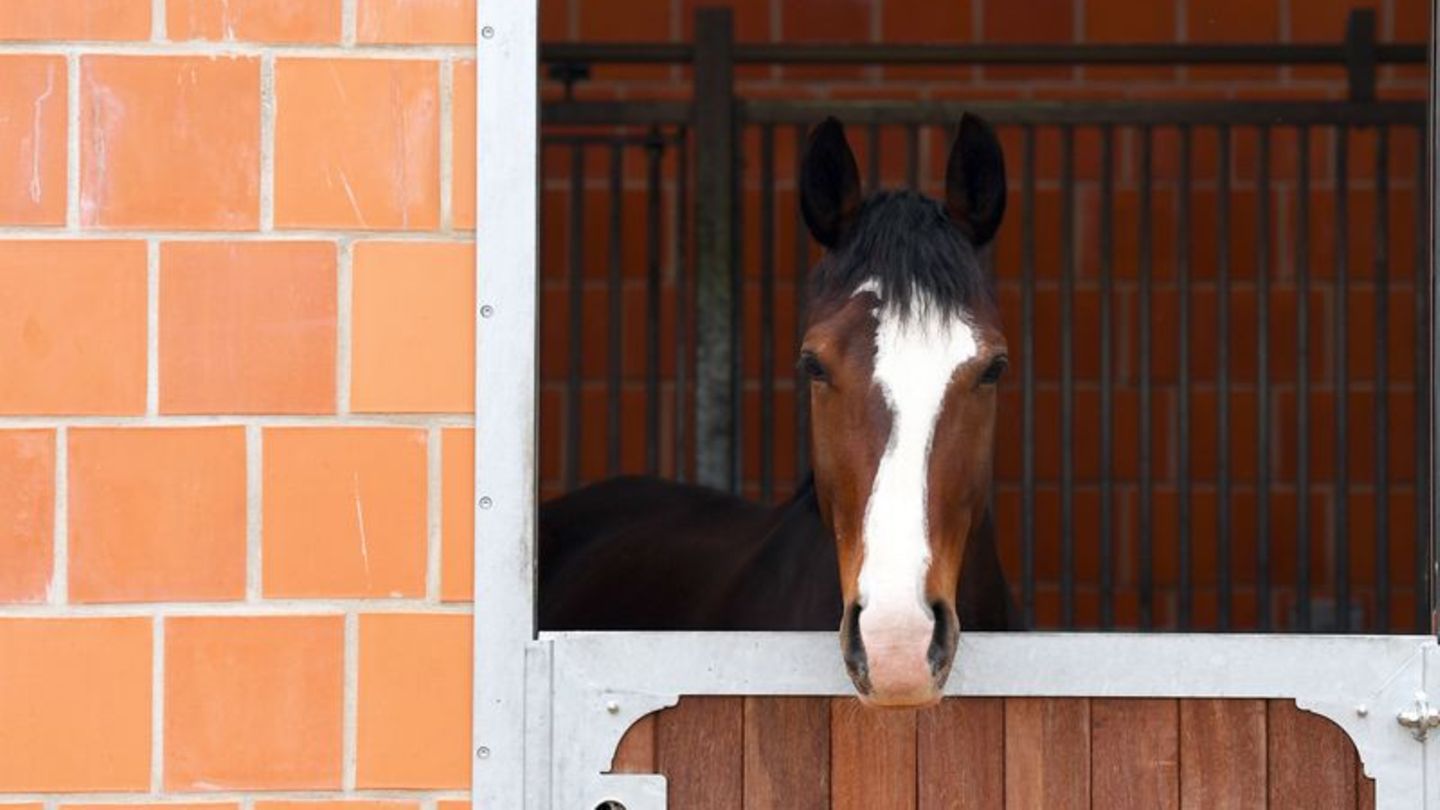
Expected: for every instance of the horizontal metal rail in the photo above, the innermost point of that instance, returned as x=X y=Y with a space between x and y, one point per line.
x=1278 y=113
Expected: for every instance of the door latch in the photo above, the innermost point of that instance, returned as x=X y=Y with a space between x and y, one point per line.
x=1420 y=718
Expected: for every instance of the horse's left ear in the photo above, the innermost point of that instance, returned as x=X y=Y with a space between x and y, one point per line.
x=975 y=181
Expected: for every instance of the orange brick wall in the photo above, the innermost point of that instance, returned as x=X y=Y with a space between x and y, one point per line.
x=236 y=386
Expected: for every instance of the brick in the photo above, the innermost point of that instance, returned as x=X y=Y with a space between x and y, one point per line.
x=1128 y=22
x=462 y=174
x=825 y=21
x=1039 y=21
x=344 y=512
x=157 y=514
x=625 y=21
x=247 y=327
x=32 y=174
x=1411 y=22
x=751 y=18
x=170 y=142
x=457 y=515
x=27 y=499
x=59 y=300
x=253 y=20
x=253 y=702
x=921 y=21
x=75 y=19
x=414 y=327
x=402 y=22
x=76 y=697
x=348 y=804
x=334 y=167
x=164 y=806
x=413 y=723
x=1232 y=21
x=1320 y=20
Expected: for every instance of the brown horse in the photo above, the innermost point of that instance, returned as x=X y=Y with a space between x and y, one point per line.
x=903 y=350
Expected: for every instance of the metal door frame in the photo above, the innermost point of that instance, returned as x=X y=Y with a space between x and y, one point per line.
x=550 y=709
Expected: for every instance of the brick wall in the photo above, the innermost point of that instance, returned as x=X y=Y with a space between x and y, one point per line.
x=236 y=379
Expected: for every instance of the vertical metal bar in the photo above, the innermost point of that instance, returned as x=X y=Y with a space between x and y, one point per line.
x=767 y=312
x=737 y=317
x=1027 y=492
x=1341 y=379
x=1067 y=377
x=1182 y=271
x=802 y=274
x=684 y=307
x=1147 y=523
x=912 y=156
x=1222 y=369
x=1422 y=294
x=616 y=295
x=1107 y=383
x=1382 y=379
x=1262 y=382
x=714 y=245
x=654 y=152
x=573 y=404
x=873 y=180
x=1302 y=382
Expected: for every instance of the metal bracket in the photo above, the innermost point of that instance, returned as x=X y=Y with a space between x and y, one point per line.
x=1420 y=718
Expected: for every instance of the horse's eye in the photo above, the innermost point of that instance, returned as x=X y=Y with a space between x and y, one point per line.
x=994 y=370
x=812 y=367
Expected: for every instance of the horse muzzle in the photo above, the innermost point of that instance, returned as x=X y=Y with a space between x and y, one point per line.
x=899 y=658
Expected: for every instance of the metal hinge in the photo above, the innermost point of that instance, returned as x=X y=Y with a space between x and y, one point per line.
x=1420 y=718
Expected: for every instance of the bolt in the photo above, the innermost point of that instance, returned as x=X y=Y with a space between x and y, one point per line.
x=1362 y=710
x=612 y=707
x=482 y=752
x=487 y=32
x=486 y=503
x=486 y=311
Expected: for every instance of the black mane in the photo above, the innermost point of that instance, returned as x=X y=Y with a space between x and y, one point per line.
x=906 y=242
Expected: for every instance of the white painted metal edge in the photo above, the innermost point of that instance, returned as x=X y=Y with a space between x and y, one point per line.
x=505 y=407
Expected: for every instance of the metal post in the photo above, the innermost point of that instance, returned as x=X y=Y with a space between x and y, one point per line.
x=714 y=244
x=1360 y=54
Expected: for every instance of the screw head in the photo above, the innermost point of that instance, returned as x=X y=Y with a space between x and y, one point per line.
x=487 y=32
x=486 y=503
x=486 y=311
x=612 y=707
x=1362 y=710
x=482 y=752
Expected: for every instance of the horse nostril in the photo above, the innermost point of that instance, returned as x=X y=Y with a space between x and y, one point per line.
x=854 y=649
x=942 y=639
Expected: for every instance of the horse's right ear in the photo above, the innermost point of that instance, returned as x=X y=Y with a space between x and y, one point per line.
x=829 y=184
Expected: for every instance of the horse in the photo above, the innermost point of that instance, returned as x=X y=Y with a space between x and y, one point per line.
x=903 y=351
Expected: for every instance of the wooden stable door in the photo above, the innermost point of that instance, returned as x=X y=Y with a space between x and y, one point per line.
x=986 y=753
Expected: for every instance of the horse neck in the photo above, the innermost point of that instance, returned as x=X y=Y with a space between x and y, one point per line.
x=984 y=601
x=790 y=580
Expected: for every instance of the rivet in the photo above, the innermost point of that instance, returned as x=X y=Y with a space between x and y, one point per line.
x=482 y=752
x=487 y=32
x=612 y=707
x=486 y=503
x=486 y=311
x=1362 y=710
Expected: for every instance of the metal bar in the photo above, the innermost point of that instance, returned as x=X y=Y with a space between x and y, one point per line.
x=1222 y=388
x=1302 y=382
x=767 y=313
x=801 y=269
x=616 y=296
x=912 y=156
x=1422 y=294
x=1182 y=270
x=1147 y=522
x=684 y=307
x=1067 y=378
x=1020 y=54
x=873 y=139
x=1341 y=380
x=575 y=379
x=616 y=113
x=715 y=425
x=1262 y=381
x=655 y=152
x=1360 y=55
x=1027 y=492
x=1382 y=379
x=1107 y=382
x=1235 y=113
x=596 y=139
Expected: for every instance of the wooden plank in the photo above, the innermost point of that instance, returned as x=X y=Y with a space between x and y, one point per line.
x=872 y=757
x=636 y=752
x=698 y=746
x=1047 y=753
x=1364 y=791
x=1312 y=763
x=1135 y=754
x=1222 y=754
x=787 y=753
x=961 y=751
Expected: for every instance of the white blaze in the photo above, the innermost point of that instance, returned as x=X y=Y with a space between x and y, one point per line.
x=915 y=357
